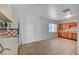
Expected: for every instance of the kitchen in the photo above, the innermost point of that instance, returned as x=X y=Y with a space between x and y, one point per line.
x=8 y=32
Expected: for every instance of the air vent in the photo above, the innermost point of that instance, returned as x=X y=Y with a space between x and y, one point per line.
x=66 y=10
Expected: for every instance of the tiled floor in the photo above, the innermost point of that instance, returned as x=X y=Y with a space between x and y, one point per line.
x=58 y=46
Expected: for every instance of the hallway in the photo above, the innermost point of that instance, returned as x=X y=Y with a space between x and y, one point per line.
x=58 y=46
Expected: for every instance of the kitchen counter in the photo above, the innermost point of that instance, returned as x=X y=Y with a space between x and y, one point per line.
x=10 y=43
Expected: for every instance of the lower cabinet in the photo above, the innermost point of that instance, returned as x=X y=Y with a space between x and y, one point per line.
x=59 y=34
x=74 y=36
x=68 y=35
x=63 y=34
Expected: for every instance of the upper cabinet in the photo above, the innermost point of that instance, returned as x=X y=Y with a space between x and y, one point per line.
x=73 y=24
x=5 y=13
x=8 y=14
x=67 y=25
x=60 y=26
x=3 y=18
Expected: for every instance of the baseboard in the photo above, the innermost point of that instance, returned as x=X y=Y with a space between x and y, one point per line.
x=37 y=41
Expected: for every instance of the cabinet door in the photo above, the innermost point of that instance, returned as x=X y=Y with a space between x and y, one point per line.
x=66 y=25
x=61 y=26
x=73 y=24
x=74 y=37
x=69 y=35
x=59 y=34
x=65 y=35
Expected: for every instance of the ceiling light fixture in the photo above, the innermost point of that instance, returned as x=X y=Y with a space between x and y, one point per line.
x=68 y=13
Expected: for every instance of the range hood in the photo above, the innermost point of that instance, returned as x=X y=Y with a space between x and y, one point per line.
x=3 y=18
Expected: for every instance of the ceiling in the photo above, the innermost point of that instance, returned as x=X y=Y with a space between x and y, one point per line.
x=47 y=11
x=57 y=14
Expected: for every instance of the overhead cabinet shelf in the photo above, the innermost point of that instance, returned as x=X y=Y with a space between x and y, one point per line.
x=3 y=18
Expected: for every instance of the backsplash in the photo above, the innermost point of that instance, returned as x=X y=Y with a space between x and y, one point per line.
x=8 y=33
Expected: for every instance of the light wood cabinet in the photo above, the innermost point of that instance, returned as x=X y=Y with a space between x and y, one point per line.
x=60 y=26
x=63 y=34
x=67 y=26
x=59 y=34
x=70 y=35
x=74 y=36
x=64 y=26
x=67 y=34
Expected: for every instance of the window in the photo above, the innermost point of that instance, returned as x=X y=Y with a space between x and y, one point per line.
x=52 y=27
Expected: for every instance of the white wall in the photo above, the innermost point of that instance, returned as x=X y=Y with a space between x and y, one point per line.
x=35 y=29
x=33 y=23
x=78 y=38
